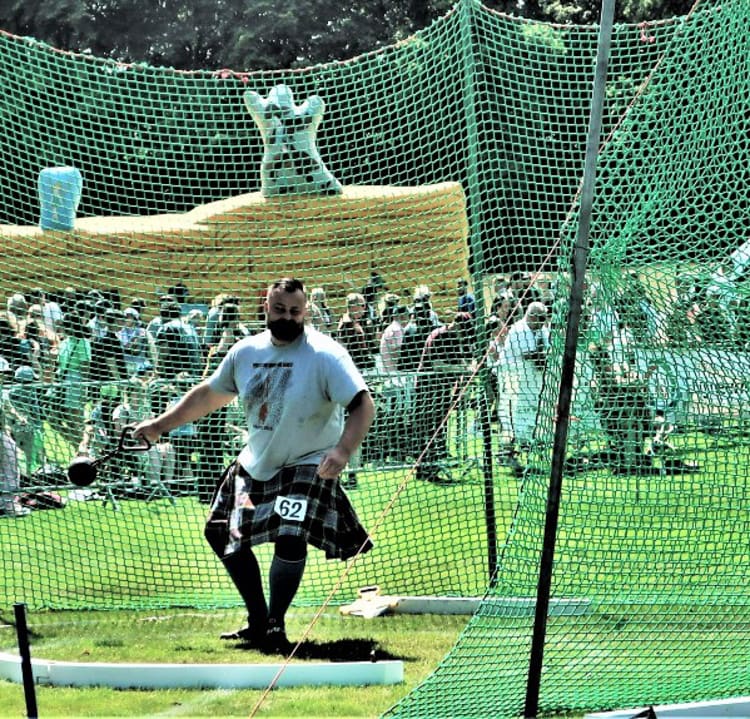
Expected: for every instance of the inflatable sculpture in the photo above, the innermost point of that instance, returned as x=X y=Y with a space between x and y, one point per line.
x=291 y=163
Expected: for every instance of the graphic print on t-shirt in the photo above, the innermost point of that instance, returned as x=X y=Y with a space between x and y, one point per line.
x=265 y=393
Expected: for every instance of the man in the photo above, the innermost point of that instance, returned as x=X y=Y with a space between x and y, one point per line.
x=178 y=348
x=293 y=383
x=396 y=392
x=416 y=333
x=133 y=340
x=446 y=358
x=466 y=302
x=524 y=358
x=321 y=316
x=52 y=313
x=108 y=362
x=392 y=339
x=356 y=332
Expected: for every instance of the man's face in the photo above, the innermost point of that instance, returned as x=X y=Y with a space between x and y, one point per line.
x=536 y=319
x=285 y=314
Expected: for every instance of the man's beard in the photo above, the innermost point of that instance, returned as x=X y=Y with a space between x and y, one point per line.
x=285 y=330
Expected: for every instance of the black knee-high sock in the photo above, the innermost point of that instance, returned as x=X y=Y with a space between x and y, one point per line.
x=284 y=578
x=245 y=573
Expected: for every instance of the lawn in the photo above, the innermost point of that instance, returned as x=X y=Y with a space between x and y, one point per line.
x=661 y=558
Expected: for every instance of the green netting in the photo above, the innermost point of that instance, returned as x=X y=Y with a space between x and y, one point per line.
x=460 y=152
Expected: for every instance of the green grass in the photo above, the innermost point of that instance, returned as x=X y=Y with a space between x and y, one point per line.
x=662 y=557
x=420 y=641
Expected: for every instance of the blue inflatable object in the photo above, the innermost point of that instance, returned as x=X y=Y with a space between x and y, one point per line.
x=59 y=195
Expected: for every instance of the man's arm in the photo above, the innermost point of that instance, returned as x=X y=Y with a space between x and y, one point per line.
x=196 y=403
x=361 y=414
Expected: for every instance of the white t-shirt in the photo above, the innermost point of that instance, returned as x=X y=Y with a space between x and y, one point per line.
x=521 y=341
x=293 y=397
x=390 y=346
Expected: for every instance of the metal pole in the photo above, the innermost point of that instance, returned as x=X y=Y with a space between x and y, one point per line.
x=575 y=302
x=478 y=269
x=490 y=518
x=22 y=633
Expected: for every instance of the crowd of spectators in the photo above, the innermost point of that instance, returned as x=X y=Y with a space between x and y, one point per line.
x=84 y=362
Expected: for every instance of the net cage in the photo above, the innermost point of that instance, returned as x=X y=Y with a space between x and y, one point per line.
x=439 y=176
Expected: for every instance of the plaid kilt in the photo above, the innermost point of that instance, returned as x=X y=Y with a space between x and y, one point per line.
x=295 y=501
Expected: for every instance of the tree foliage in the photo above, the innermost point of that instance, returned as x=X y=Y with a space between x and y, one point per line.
x=266 y=34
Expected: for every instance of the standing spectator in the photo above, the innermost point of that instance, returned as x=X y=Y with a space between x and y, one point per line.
x=139 y=305
x=98 y=435
x=416 y=333
x=320 y=313
x=524 y=358
x=107 y=355
x=157 y=464
x=52 y=313
x=43 y=341
x=10 y=475
x=637 y=311
x=73 y=361
x=134 y=342
x=25 y=417
x=180 y=292
x=98 y=324
x=231 y=330
x=70 y=297
x=10 y=346
x=446 y=358
x=177 y=348
x=30 y=347
x=155 y=323
x=392 y=339
x=501 y=286
x=356 y=332
x=390 y=302
x=396 y=392
x=497 y=326
x=18 y=308
x=183 y=438
x=293 y=383
x=423 y=297
x=524 y=293
x=466 y=302
x=211 y=330
x=371 y=293
x=622 y=400
x=194 y=323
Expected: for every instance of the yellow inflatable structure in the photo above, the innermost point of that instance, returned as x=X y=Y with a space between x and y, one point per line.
x=412 y=235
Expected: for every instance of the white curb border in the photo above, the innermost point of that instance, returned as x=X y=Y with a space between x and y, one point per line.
x=213 y=676
x=737 y=707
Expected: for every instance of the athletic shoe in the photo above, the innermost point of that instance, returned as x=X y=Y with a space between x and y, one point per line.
x=276 y=641
x=249 y=635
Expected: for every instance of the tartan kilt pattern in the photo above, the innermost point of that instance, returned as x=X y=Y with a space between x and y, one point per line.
x=244 y=510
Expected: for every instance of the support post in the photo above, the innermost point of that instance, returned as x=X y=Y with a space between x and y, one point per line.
x=575 y=303
x=478 y=271
x=27 y=673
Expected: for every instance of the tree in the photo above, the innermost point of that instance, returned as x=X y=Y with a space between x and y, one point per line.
x=267 y=34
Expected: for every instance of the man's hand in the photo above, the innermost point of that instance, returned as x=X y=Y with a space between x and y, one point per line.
x=333 y=463
x=148 y=429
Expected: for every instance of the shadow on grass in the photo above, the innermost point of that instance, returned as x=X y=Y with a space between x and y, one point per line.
x=339 y=650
